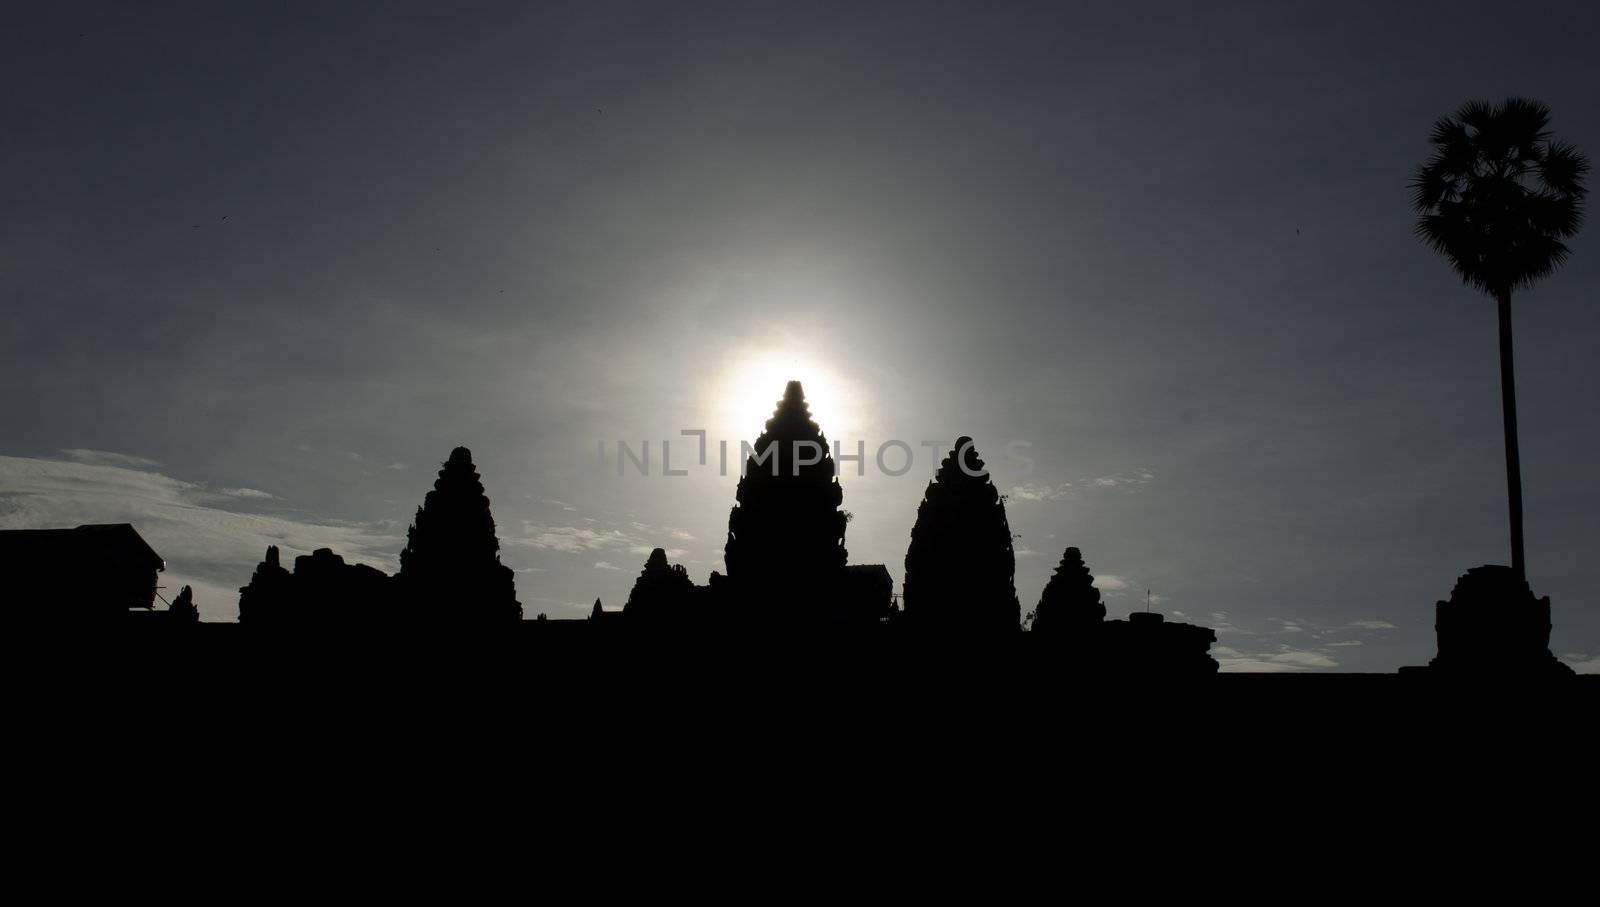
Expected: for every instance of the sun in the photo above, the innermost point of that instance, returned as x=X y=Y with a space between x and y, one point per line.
x=753 y=386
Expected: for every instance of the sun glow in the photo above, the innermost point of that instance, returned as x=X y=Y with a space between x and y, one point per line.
x=752 y=388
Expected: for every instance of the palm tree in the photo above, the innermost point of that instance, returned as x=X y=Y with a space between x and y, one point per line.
x=1497 y=199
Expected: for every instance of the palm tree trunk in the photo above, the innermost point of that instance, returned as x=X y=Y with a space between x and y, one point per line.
x=1508 y=406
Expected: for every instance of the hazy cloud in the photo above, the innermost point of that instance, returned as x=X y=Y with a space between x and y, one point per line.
x=1035 y=492
x=578 y=539
x=1583 y=664
x=245 y=493
x=1303 y=659
x=1247 y=665
x=1283 y=659
x=1137 y=477
x=573 y=539
x=107 y=458
x=1032 y=492
x=1111 y=583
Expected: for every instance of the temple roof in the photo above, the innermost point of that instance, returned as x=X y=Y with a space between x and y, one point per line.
x=89 y=543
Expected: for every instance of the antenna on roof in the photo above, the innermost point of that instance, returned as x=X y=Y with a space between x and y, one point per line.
x=1147 y=601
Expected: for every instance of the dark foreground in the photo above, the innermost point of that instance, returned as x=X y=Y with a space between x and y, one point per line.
x=563 y=666
x=809 y=752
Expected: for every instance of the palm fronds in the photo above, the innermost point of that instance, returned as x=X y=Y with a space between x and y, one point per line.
x=1499 y=196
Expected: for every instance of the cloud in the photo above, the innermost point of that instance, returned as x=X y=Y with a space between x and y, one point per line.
x=573 y=539
x=1136 y=477
x=1373 y=625
x=1284 y=660
x=206 y=544
x=107 y=458
x=1032 y=492
x=1252 y=666
x=1112 y=584
x=348 y=456
x=1221 y=624
x=672 y=553
x=245 y=493
x=579 y=540
x=1302 y=658
x=1041 y=493
x=1348 y=642
x=1583 y=664
x=605 y=565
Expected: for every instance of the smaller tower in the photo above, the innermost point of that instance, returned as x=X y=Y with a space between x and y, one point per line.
x=450 y=569
x=1071 y=603
x=960 y=568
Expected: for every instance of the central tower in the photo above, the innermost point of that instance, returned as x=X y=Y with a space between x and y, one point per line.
x=785 y=552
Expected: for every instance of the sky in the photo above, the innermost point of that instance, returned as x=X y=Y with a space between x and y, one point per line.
x=262 y=268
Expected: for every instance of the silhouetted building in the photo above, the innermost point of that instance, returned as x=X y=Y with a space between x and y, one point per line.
x=785 y=552
x=599 y=614
x=183 y=609
x=868 y=593
x=1493 y=625
x=269 y=592
x=1147 y=643
x=89 y=575
x=323 y=589
x=450 y=569
x=960 y=567
x=663 y=593
x=1070 y=605
x=1071 y=614
x=180 y=612
x=329 y=589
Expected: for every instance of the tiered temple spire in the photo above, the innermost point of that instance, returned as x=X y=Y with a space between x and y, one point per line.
x=1071 y=602
x=960 y=567
x=450 y=568
x=785 y=552
x=662 y=594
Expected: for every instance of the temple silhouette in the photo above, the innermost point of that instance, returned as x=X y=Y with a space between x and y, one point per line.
x=450 y=570
x=788 y=573
x=960 y=568
x=103 y=576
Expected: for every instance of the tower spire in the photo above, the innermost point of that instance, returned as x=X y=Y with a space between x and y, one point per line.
x=785 y=542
